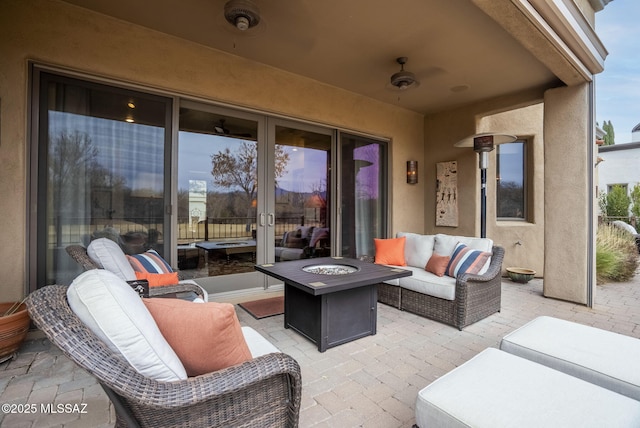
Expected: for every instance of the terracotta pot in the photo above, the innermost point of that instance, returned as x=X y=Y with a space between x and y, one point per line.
x=13 y=329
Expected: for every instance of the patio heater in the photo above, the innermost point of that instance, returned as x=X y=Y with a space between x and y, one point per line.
x=483 y=144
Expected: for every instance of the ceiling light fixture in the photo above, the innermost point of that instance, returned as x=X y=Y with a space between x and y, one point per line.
x=403 y=80
x=242 y=14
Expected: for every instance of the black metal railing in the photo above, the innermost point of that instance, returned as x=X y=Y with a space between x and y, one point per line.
x=82 y=230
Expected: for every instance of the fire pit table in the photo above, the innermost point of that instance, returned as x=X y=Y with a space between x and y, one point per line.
x=331 y=300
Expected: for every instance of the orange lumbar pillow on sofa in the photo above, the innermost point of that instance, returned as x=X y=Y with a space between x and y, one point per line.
x=437 y=264
x=159 y=279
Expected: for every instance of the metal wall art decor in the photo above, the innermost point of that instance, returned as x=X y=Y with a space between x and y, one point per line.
x=447 y=194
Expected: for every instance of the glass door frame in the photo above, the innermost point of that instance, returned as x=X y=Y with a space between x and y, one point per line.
x=272 y=123
x=269 y=177
x=222 y=283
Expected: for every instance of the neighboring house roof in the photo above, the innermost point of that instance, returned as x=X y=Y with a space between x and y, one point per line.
x=617 y=147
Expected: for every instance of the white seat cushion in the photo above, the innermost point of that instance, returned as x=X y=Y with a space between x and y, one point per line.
x=110 y=308
x=598 y=356
x=108 y=255
x=497 y=389
x=425 y=282
x=257 y=344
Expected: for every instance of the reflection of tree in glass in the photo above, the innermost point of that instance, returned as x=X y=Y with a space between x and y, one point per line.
x=318 y=200
x=70 y=156
x=239 y=169
x=74 y=169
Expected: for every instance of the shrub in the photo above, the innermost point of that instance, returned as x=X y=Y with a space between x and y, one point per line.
x=617 y=202
x=616 y=254
x=635 y=200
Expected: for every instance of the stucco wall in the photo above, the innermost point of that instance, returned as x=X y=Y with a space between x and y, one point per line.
x=519 y=115
x=523 y=240
x=569 y=201
x=56 y=33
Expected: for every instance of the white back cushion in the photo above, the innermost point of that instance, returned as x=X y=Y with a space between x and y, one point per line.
x=445 y=244
x=108 y=255
x=115 y=313
x=417 y=248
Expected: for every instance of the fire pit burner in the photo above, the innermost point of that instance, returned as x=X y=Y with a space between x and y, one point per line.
x=330 y=269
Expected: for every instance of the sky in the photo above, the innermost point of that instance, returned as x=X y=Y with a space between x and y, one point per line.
x=618 y=86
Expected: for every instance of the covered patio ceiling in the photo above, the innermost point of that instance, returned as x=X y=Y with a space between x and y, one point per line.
x=458 y=52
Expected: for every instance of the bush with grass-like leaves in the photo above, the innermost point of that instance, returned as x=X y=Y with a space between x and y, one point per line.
x=616 y=254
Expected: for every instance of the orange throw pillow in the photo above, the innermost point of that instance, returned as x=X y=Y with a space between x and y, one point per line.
x=390 y=251
x=159 y=279
x=205 y=336
x=437 y=264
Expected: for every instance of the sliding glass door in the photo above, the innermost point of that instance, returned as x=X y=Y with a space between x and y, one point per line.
x=225 y=190
x=218 y=189
x=363 y=197
x=249 y=190
x=301 y=192
x=101 y=171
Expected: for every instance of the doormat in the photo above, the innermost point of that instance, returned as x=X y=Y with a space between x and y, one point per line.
x=265 y=307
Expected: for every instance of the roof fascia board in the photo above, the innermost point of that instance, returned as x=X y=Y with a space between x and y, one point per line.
x=567 y=28
x=598 y=5
x=617 y=147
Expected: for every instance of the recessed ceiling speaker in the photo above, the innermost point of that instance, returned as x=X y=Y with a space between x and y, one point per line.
x=403 y=80
x=242 y=14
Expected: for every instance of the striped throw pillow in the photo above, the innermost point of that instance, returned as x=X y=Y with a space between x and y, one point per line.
x=465 y=260
x=150 y=262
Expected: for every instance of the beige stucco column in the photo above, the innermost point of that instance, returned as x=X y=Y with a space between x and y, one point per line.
x=568 y=194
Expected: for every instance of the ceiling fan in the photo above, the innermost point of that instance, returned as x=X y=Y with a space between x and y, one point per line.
x=220 y=129
x=242 y=14
x=403 y=80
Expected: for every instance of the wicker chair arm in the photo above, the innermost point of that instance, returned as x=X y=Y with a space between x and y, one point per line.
x=173 y=289
x=236 y=379
x=79 y=254
x=495 y=269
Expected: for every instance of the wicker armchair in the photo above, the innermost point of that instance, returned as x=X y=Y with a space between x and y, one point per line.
x=79 y=254
x=476 y=297
x=263 y=392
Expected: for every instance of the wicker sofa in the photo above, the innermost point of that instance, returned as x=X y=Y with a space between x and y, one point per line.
x=459 y=301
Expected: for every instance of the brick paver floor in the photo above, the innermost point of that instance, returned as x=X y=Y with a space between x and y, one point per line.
x=371 y=382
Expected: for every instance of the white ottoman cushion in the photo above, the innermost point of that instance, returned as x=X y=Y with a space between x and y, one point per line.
x=497 y=389
x=607 y=359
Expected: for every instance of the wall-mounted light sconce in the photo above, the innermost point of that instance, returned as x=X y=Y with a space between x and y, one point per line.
x=412 y=172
